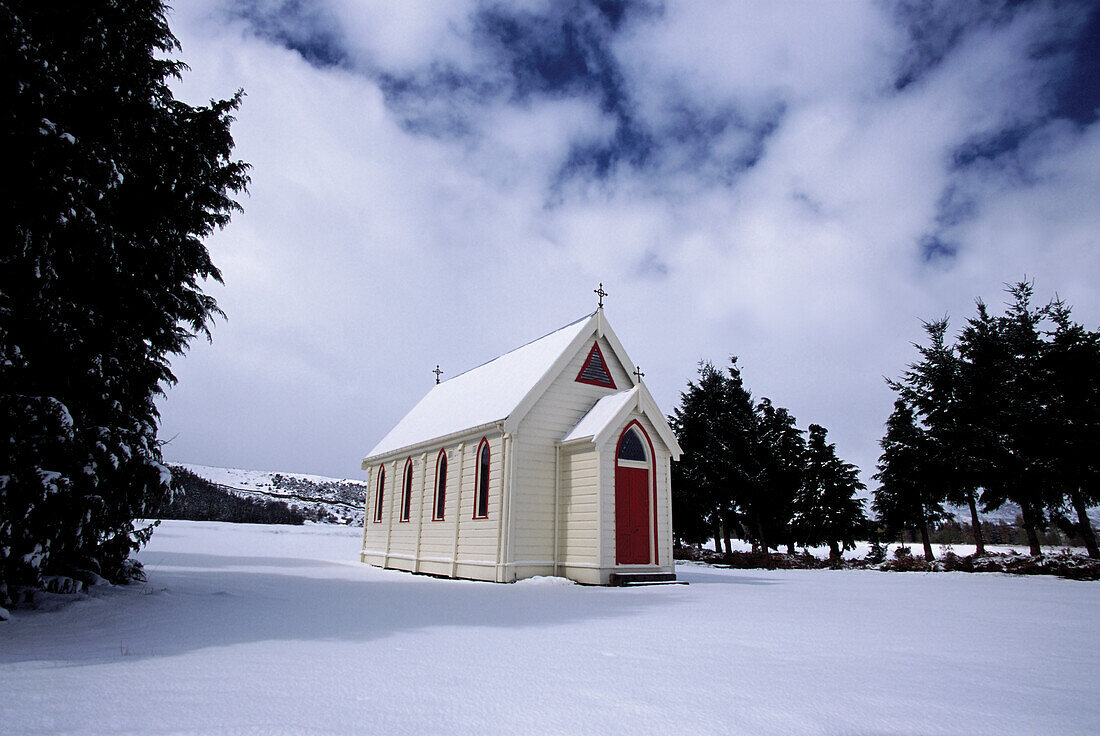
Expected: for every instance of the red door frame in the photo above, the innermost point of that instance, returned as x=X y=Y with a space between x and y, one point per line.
x=655 y=552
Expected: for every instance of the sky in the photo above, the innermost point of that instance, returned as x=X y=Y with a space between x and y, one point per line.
x=796 y=184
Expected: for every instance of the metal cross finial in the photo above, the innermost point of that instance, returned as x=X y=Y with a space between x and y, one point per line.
x=638 y=373
x=437 y=373
x=600 y=293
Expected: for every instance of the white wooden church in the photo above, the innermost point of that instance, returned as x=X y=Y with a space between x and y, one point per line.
x=552 y=459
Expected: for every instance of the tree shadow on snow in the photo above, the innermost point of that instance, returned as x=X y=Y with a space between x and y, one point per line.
x=155 y=560
x=183 y=610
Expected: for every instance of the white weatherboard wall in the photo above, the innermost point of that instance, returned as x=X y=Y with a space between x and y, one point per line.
x=579 y=521
x=457 y=545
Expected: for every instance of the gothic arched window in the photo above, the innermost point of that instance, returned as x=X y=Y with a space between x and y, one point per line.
x=440 y=486
x=378 y=495
x=481 y=500
x=631 y=447
x=406 y=490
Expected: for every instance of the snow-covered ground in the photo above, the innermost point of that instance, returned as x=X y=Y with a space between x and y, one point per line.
x=252 y=629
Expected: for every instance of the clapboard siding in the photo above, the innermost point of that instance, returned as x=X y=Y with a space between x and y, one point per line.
x=424 y=544
x=578 y=541
x=556 y=412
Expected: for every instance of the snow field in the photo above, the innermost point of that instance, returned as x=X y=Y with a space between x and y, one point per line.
x=246 y=629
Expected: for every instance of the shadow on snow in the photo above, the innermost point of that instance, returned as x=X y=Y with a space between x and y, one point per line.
x=193 y=601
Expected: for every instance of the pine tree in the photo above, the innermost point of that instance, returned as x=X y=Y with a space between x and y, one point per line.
x=1012 y=411
x=934 y=388
x=827 y=510
x=1007 y=354
x=906 y=497
x=982 y=364
x=715 y=426
x=699 y=496
x=737 y=444
x=111 y=186
x=1072 y=370
x=781 y=450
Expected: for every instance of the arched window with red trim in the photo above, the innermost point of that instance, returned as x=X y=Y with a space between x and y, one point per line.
x=440 y=486
x=378 y=495
x=481 y=500
x=406 y=490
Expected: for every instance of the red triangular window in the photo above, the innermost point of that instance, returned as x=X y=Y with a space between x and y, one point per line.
x=595 y=370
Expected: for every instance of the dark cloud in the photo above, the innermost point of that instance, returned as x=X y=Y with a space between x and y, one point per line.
x=933 y=248
x=935 y=28
x=562 y=51
x=990 y=146
x=1078 y=92
x=440 y=101
x=652 y=266
x=697 y=135
x=954 y=206
x=565 y=51
x=305 y=26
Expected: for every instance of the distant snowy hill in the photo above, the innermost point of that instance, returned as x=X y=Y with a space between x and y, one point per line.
x=330 y=499
x=1008 y=514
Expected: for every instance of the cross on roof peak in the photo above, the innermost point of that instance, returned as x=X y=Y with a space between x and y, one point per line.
x=437 y=373
x=638 y=373
x=600 y=293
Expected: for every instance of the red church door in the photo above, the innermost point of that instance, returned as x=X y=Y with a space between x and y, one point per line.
x=631 y=501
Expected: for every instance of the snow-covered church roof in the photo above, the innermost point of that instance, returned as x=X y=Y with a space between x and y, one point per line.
x=489 y=393
x=505 y=388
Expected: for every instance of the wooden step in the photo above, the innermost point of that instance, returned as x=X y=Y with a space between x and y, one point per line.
x=622 y=579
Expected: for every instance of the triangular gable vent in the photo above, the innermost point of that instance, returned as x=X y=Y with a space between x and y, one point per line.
x=595 y=369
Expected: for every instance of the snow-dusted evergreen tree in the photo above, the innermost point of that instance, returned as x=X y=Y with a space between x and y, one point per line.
x=1072 y=367
x=781 y=451
x=110 y=185
x=1011 y=410
x=907 y=496
x=827 y=510
x=980 y=374
x=714 y=425
x=696 y=485
x=935 y=389
x=1014 y=422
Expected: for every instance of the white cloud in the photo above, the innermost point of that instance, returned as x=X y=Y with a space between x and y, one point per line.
x=399 y=36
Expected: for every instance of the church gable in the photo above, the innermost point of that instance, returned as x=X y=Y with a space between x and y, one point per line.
x=566 y=398
x=596 y=338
